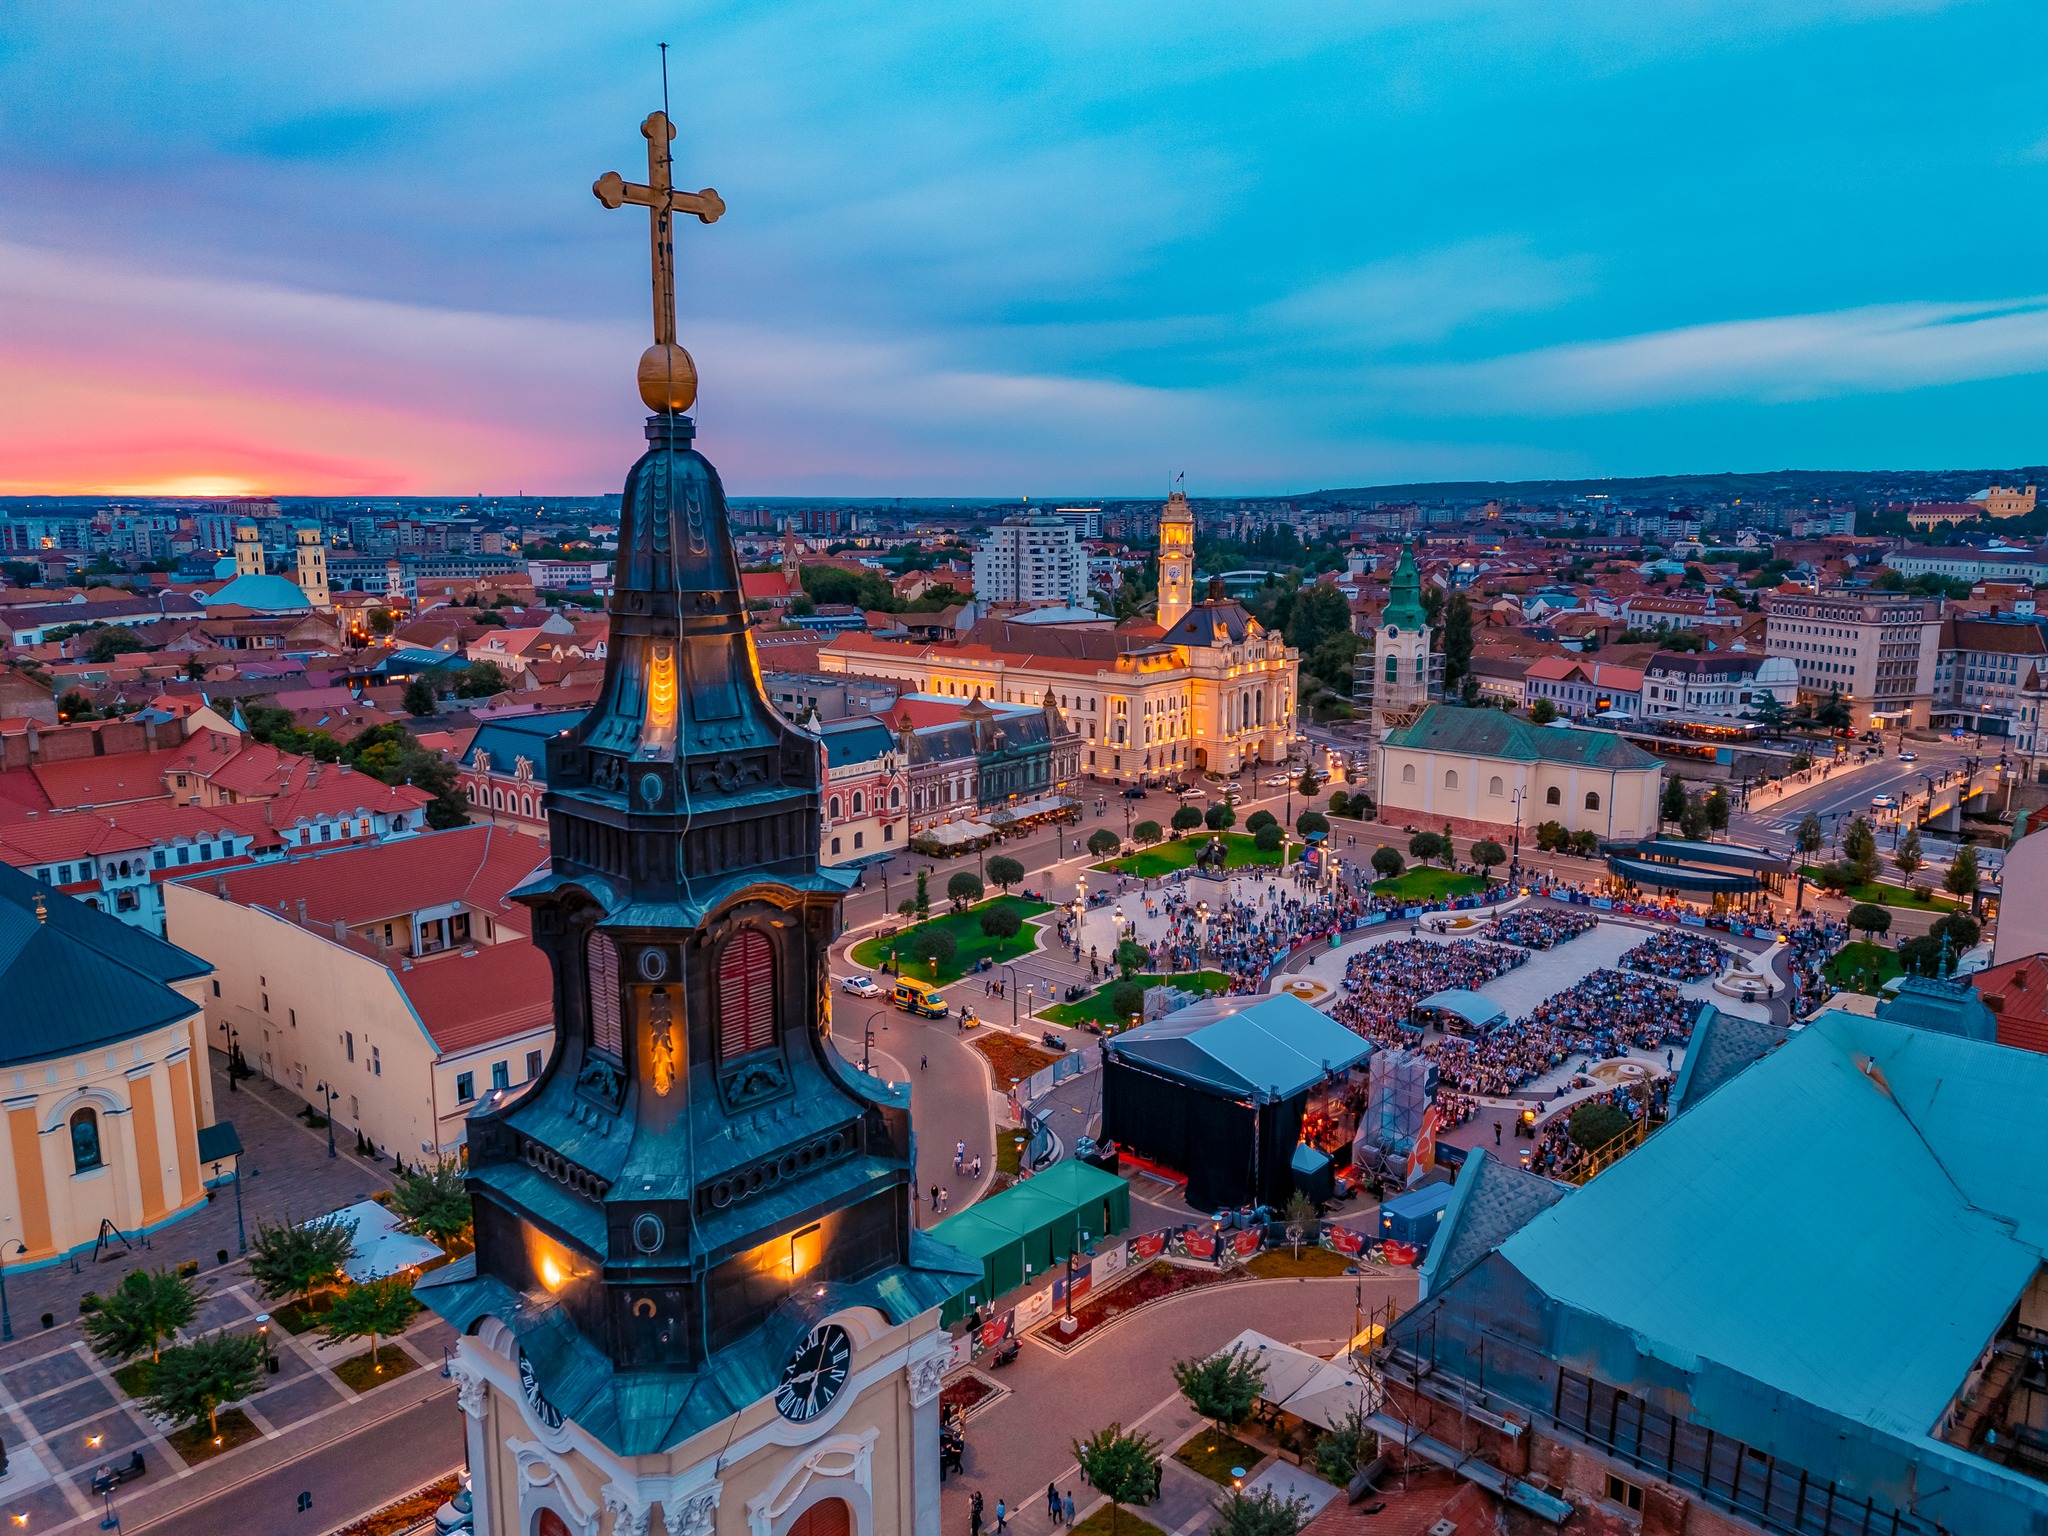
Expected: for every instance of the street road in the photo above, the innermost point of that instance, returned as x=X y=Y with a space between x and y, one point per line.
x=348 y=1478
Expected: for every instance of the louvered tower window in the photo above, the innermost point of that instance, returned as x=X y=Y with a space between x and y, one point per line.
x=601 y=961
x=746 y=994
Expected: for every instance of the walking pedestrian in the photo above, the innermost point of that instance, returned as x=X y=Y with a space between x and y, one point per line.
x=959 y=1155
x=1496 y=1133
x=945 y=1201
x=935 y=1197
x=1002 y=1517
x=1067 y=1510
x=923 y=1062
x=1052 y=1501
x=974 y=1514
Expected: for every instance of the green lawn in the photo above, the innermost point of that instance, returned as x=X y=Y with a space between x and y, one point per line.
x=1094 y=1008
x=966 y=930
x=1108 y=1521
x=1213 y=1453
x=1179 y=853
x=1428 y=885
x=1863 y=967
x=1882 y=895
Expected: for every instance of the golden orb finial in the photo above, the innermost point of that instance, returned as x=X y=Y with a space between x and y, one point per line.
x=668 y=378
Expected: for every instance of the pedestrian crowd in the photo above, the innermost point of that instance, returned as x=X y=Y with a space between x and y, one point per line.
x=1677 y=955
x=1542 y=927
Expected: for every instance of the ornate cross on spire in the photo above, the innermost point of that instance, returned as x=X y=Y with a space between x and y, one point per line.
x=668 y=376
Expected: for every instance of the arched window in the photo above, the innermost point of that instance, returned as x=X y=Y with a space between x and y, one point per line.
x=746 y=994
x=498 y=799
x=470 y=790
x=859 y=800
x=1450 y=778
x=835 y=807
x=1393 y=662
x=601 y=963
x=895 y=796
x=827 y=1517
x=548 y=1523
x=1592 y=802
x=1407 y=773
x=1552 y=797
x=526 y=805
x=1494 y=787
x=1260 y=711
x=85 y=1142
x=1422 y=669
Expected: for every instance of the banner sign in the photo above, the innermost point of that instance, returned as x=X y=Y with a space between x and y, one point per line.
x=1034 y=1309
x=1150 y=1246
x=1343 y=1240
x=1108 y=1265
x=998 y=1329
x=1246 y=1243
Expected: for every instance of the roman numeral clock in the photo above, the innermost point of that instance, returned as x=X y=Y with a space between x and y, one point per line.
x=815 y=1373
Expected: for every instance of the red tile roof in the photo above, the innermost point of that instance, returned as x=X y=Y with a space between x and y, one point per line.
x=468 y=998
x=2017 y=995
x=475 y=865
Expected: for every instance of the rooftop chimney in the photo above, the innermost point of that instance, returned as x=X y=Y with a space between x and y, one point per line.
x=302 y=911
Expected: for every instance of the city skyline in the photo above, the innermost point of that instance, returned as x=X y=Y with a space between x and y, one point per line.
x=980 y=254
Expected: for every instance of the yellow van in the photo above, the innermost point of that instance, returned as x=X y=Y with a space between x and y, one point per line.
x=914 y=996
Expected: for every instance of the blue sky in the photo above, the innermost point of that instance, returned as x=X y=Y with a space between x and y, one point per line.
x=1046 y=250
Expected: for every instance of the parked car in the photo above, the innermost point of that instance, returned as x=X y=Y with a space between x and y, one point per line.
x=860 y=986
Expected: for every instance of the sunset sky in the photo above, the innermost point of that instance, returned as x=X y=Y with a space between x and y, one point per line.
x=990 y=249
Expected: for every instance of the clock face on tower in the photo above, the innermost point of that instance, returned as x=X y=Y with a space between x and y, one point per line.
x=815 y=1374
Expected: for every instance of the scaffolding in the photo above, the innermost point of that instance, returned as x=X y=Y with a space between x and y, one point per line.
x=1399 y=1087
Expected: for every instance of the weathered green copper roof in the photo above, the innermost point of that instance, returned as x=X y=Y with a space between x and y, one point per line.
x=642 y=1413
x=68 y=983
x=705 y=898
x=1404 y=599
x=1490 y=733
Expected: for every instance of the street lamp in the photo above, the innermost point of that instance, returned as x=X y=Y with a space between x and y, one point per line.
x=228 y=1028
x=1519 y=792
x=322 y=1088
x=7 y=1318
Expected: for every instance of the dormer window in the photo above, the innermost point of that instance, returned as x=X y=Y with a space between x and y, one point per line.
x=601 y=963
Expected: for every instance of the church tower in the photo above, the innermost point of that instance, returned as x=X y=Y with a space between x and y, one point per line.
x=311 y=552
x=1176 y=559
x=1399 y=661
x=248 y=550
x=699 y=1299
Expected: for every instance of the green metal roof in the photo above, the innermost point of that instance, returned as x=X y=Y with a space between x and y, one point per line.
x=1847 y=1221
x=1404 y=595
x=1490 y=733
x=67 y=984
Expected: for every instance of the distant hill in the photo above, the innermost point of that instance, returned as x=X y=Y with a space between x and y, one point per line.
x=1862 y=486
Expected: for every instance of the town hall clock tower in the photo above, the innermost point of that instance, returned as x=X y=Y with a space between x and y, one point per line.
x=699 y=1304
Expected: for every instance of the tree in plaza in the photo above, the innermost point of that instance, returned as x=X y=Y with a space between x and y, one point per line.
x=1146 y=833
x=1131 y=956
x=931 y=946
x=376 y=1310
x=1426 y=847
x=1123 y=1468
x=1552 y=837
x=1717 y=809
x=1585 y=842
x=924 y=897
x=1807 y=837
x=1311 y=821
x=434 y=1202
x=1692 y=821
x=147 y=1307
x=1261 y=1512
x=1671 y=806
x=1220 y=818
x=1186 y=819
x=1006 y=871
x=1258 y=819
x=1834 y=715
x=964 y=889
x=1269 y=838
x=1868 y=917
x=1102 y=842
x=1307 y=786
x=1340 y=804
x=1001 y=923
x=1837 y=875
x=1924 y=956
x=1769 y=712
x=289 y=1261
x=1542 y=712
x=1859 y=847
x=419 y=697
x=1486 y=853
x=1595 y=1123
x=1907 y=855
x=1347 y=1447
x=1386 y=863
x=1300 y=1216
x=191 y=1382
x=380 y=621
x=1961 y=879
x=1222 y=1388
x=907 y=907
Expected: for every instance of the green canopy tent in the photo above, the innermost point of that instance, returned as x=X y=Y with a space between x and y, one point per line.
x=1035 y=1223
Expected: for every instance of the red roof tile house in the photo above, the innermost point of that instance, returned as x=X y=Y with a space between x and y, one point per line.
x=398 y=977
x=2017 y=995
